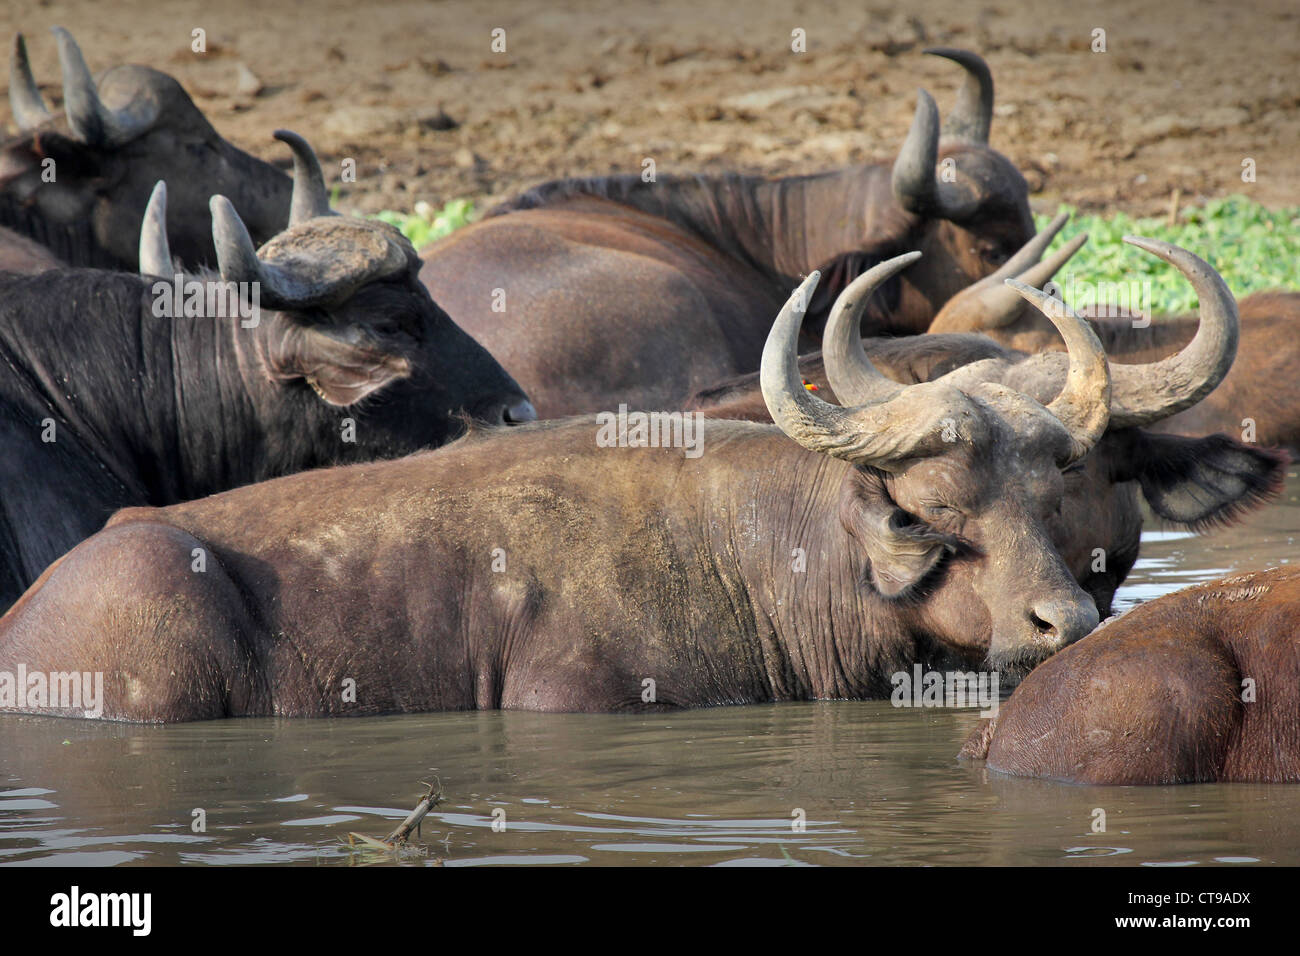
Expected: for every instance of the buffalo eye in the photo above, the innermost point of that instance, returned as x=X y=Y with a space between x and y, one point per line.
x=998 y=254
x=938 y=511
x=904 y=521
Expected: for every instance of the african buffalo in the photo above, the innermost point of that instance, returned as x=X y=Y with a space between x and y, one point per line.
x=78 y=183
x=543 y=570
x=1257 y=400
x=1197 y=686
x=322 y=347
x=1196 y=482
x=597 y=291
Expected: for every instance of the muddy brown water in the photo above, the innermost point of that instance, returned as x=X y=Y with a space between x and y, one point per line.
x=818 y=783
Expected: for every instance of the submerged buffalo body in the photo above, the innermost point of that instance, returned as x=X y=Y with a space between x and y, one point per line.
x=598 y=291
x=118 y=136
x=1197 y=686
x=119 y=393
x=536 y=569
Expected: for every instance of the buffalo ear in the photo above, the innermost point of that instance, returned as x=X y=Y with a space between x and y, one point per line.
x=900 y=551
x=344 y=365
x=1201 y=482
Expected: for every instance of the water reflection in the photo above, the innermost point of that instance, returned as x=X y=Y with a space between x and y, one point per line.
x=835 y=783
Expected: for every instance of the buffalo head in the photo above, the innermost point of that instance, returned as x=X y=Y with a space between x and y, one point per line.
x=952 y=489
x=970 y=493
x=967 y=204
x=117 y=136
x=344 y=320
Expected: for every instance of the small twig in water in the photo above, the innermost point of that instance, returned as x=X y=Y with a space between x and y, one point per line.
x=431 y=798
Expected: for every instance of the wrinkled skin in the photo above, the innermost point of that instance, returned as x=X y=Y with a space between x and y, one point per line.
x=149 y=410
x=1257 y=388
x=620 y=564
x=621 y=291
x=1157 y=696
x=1195 y=482
x=90 y=215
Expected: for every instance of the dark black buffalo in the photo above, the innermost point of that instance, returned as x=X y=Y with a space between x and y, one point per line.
x=116 y=137
x=322 y=347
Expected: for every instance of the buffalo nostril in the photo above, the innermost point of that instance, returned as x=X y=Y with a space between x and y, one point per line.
x=519 y=413
x=1065 y=622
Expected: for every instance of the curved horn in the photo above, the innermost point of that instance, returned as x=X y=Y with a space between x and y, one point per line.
x=807 y=419
x=1083 y=404
x=906 y=426
x=237 y=261
x=155 y=254
x=310 y=197
x=236 y=256
x=24 y=96
x=853 y=378
x=971 y=118
x=913 y=176
x=92 y=122
x=1148 y=393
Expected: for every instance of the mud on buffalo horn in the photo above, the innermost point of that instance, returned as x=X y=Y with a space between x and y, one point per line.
x=237 y=260
x=1148 y=393
x=1145 y=394
x=321 y=257
x=898 y=422
x=1084 y=404
x=1081 y=406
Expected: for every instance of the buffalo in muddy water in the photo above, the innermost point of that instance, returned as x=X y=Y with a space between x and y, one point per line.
x=116 y=137
x=1197 y=482
x=1200 y=685
x=599 y=291
x=123 y=390
x=810 y=559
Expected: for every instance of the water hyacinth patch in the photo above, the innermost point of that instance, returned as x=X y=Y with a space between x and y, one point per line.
x=425 y=224
x=1254 y=248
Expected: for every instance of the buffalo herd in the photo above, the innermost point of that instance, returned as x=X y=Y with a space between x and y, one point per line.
x=622 y=444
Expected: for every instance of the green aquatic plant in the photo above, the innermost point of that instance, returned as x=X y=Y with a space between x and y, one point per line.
x=1254 y=248
x=425 y=224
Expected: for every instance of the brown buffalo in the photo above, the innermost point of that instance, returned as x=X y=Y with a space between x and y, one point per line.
x=599 y=291
x=1257 y=399
x=78 y=183
x=543 y=570
x=1197 y=686
x=1196 y=482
